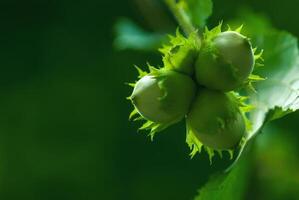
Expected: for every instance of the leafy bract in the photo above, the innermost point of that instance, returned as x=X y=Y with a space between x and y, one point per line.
x=130 y=36
x=198 y=11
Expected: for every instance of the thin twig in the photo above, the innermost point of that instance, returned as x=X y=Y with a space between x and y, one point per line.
x=181 y=17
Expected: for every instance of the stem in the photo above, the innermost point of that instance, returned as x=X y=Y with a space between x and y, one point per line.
x=180 y=15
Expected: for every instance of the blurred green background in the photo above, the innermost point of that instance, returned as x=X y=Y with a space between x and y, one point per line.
x=64 y=130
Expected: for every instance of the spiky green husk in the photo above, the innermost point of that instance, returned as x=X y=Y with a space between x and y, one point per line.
x=180 y=53
x=182 y=64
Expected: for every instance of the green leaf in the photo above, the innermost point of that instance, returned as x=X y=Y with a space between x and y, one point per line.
x=278 y=95
x=131 y=36
x=198 y=11
x=230 y=185
x=275 y=97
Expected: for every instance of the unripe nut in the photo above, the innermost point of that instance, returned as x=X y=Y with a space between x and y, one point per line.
x=163 y=97
x=216 y=119
x=225 y=62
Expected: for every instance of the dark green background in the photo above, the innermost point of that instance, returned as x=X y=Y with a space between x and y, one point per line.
x=64 y=129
